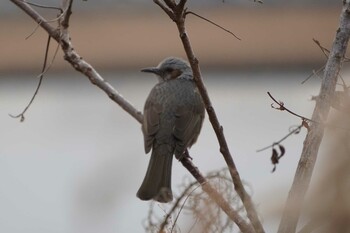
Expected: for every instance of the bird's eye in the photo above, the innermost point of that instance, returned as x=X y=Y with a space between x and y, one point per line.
x=169 y=70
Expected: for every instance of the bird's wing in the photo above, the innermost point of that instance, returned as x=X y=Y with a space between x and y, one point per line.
x=188 y=124
x=150 y=124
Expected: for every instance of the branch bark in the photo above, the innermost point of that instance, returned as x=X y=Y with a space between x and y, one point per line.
x=314 y=136
x=61 y=35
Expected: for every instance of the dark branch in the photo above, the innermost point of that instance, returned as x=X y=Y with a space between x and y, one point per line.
x=283 y=108
x=179 y=13
x=211 y=22
x=165 y=9
x=294 y=131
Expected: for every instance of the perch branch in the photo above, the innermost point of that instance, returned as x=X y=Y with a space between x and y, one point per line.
x=179 y=11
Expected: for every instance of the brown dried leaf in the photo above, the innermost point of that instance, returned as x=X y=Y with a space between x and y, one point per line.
x=282 y=149
x=274 y=156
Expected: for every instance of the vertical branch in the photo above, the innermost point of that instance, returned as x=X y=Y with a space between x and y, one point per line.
x=246 y=199
x=178 y=16
x=314 y=136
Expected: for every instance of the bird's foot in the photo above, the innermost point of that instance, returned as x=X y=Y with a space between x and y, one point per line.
x=184 y=155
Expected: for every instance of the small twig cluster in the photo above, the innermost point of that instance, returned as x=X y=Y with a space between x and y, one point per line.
x=207 y=216
x=276 y=156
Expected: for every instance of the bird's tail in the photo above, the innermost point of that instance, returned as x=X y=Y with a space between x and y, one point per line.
x=157 y=182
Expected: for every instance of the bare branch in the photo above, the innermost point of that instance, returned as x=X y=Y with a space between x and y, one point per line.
x=67 y=5
x=170 y=3
x=179 y=13
x=181 y=6
x=43 y=6
x=323 y=49
x=21 y=115
x=314 y=136
x=165 y=9
x=281 y=107
x=182 y=206
x=33 y=32
x=314 y=73
x=38 y=18
x=296 y=130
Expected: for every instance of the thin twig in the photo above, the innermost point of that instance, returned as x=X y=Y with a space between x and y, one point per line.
x=313 y=74
x=326 y=51
x=41 y=76
x=176 y=204
x=62 y=14
x=323 y=49
x=215 y=24
x=43 y=6
x=283 y=108
x=294 y=131
x=182 y=206
x=193 y=225
x=34 y=30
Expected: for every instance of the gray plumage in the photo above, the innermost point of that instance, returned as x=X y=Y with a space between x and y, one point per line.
x=173 y=117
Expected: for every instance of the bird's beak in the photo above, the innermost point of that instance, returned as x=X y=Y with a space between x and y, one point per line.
x=153 y=70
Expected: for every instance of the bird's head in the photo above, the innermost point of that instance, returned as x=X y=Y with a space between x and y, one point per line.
x=171 y=68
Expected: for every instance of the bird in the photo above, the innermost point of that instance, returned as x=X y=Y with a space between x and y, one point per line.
x=173 y=118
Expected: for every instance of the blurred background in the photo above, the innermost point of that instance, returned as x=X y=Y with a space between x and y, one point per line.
x=76 y=162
